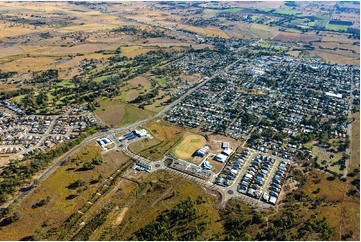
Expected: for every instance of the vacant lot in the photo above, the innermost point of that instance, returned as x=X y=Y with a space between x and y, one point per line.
x=115 y=113
x=111 y=112
x=294 y=53
x=216 y=142
x=189 y=144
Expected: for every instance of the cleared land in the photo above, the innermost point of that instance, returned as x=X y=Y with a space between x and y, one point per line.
x=139 y=81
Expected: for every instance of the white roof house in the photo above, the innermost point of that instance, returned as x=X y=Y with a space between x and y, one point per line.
x=331 y=94
x=266 y=197
x=206 y=165
x=221 y=157
x=227 y=151
x=225 y=145
x=273 y=200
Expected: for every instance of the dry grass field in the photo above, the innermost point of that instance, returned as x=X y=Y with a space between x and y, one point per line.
x=139 y=80
x=188 y=145
x=8 y=30
x=296 y=37
x=131 y=95
x=111 y=112
x=191 y=79
x=11 y=50
x=294 y=53
x=138 y=85
x=208 y=31
x=171 y=191
x=165 y=137
x=241 y=30
x=61 y=206
x=334 y=56
x=264 y=31
x=131 y=51
x=158 y=105
x=343 y=215
x=115 y=112
x=355 y=142
x=32 y=63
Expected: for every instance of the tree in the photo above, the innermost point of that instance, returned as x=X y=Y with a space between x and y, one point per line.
x=257 y=218
x=76 y=184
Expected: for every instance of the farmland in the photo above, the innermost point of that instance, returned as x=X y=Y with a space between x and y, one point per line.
x=296 y=37
x=336 y=27
x=287 y=12
x=263 y=31
x=207 y=31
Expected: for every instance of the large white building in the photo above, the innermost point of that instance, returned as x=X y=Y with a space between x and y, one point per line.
x=202 y=151
x=141 y=133
x=227 y=151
